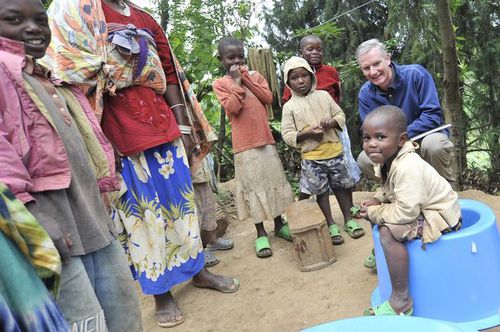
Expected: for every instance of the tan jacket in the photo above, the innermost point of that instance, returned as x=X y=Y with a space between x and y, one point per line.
x=305 y=111
x=414 y=187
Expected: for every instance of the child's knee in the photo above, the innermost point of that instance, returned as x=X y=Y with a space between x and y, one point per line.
x=386 y=236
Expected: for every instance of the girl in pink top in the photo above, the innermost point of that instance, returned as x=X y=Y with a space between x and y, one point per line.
x=262 y=191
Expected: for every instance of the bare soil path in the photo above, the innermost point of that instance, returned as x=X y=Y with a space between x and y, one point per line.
x=274 y=294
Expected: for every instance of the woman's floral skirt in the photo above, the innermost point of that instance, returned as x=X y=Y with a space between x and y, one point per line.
x=156 y=218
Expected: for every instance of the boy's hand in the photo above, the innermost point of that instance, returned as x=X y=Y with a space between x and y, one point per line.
x=244 y=69
x=328 y=123
x=363 y=213
x=364 y=207
x=235 y=73
x=369 y=202
x=315 y=133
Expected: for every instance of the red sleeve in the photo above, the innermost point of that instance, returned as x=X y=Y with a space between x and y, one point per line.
x=230 y=96
x=163 y=47
x=258 y=86
x=286 y=95
x=334 y=88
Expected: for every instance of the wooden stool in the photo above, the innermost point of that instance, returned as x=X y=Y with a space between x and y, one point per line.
x=310 y=235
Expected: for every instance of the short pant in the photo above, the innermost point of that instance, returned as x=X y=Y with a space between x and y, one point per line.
x=320 y=176
x=415 y=229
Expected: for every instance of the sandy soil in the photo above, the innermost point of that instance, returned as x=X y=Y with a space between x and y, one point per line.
x=274 y=294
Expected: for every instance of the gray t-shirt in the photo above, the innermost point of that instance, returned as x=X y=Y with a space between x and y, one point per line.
x=79 y=209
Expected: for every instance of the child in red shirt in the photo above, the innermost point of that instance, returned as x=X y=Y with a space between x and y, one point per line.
x=327 y=77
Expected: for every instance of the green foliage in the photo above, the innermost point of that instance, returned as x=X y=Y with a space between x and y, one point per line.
x=479 y=46
x=411 y=33
x=409 y=29
x=194 y=29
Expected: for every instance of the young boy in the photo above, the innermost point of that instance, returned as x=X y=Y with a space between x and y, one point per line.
x=414 y=201
x=311 y=49
x=310 y=120
x=55 y=159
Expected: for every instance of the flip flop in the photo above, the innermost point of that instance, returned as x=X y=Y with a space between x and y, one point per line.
x=335 y=234
x=385 y=309
x=353 y=229
x=284 y=233
x=355 y=211
x=222 y=289
x=169 y=323
x=261 y=244
x=370 y=262
x=210 y=258
x=220 y=244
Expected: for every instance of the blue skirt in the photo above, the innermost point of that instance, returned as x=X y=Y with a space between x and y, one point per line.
x=156 y=218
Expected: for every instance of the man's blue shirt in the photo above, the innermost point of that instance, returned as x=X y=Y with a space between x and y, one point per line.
x=413 y=90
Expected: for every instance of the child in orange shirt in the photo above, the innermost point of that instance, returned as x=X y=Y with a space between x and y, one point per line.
x=262 y=191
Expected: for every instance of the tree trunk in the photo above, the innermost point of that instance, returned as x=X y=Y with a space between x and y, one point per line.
x=452 y=101
x=222 y=120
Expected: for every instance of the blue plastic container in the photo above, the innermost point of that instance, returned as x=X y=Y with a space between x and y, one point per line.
x=456 y=278
x=389 y=324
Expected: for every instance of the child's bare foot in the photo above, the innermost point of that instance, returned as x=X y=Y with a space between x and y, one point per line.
x=206 y=279
x=167 y=313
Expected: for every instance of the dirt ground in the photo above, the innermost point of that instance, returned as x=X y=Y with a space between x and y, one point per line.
x=274 y=294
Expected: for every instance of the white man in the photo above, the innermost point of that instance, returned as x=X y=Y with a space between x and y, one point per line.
x=411 y=88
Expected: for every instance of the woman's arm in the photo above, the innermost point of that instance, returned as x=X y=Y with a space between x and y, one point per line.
x=173 y=96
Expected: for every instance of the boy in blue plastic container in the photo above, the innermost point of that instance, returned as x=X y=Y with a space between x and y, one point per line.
x=414 y=202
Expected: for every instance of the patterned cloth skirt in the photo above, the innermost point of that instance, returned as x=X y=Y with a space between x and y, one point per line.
x=156 y=218
x=262 y=190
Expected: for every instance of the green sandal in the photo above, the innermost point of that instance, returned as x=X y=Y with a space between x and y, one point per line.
x=355 y=211
x=335 y=234
x=385 y=309
x=353 y=229
x=284 y=233
x=370 y=262
x=263 y=247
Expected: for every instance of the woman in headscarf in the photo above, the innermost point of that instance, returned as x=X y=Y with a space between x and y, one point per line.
x=121 y=57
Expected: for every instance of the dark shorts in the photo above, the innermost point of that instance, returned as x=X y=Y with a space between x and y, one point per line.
x=320 y=176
